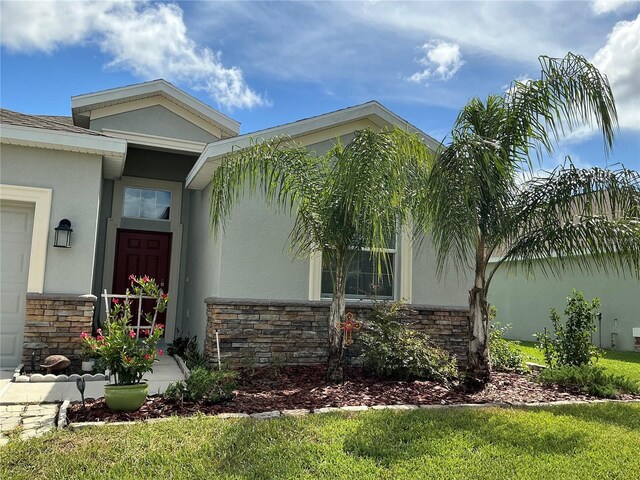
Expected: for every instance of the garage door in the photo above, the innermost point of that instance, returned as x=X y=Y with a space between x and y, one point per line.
x=16 y=225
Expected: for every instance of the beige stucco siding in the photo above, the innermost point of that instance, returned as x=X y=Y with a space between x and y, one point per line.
x=154 y=120
x=525 y=303
x=450 y=289
x=75 y=180
x=202 y=265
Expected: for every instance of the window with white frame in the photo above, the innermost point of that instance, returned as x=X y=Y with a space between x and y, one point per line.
x=147 y=203
x=364 y=278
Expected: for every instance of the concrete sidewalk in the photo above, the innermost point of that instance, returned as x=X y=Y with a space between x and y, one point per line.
x=165 y=371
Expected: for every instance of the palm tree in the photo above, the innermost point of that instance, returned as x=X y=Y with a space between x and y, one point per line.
x=478 y=206
x=355 y=196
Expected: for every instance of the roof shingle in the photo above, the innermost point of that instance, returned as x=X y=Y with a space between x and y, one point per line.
x=48 y=122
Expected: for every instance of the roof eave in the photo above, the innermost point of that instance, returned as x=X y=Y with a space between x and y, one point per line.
x=370 y=110
x=81 y=105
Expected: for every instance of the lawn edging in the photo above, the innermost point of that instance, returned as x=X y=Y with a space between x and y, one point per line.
x=349 y=409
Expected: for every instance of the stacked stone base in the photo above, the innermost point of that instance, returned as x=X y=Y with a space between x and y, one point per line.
x=53 y=324
x=263 y=332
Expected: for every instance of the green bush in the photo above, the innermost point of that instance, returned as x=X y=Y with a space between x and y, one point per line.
x=590 y=379
x=390 y=350
x=203 y=385
x=503 y=354
x=187 y=349
x=571 y=343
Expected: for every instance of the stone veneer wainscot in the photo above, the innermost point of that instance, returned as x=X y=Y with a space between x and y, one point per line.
x=53 y=324
x=296 y=333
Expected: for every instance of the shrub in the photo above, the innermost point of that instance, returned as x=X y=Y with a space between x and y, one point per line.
x=504 y=355
x=203 y=385
x=591 y=379
x=571 y=343
x=187 y=349
x=390 y=350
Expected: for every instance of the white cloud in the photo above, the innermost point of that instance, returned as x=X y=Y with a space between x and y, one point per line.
x=619 y=59
x=441 y=60
x=600 y=7
x=148 y=39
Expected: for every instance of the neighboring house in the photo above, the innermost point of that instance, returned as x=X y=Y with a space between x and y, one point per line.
x=131 y=170
x=525 y=303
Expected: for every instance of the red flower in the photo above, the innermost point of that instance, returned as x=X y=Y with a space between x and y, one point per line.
x=132 y=277
x=100 y=338
x=84 y=335
x=145 y=279
x=132 y=334
x=127 y=359
x=115 y=300
x=160 y=351
x=147 y=356
x=99 y=331
x=145 y=333
x=160 y=326
x=164 y=296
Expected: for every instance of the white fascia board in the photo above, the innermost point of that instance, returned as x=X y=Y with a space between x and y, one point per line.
x=60 y=140
x=112 y=150
x=144 y=139
x=89 y=101
x=371 y=110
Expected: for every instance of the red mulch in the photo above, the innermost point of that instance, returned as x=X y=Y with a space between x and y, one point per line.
x=305 y=387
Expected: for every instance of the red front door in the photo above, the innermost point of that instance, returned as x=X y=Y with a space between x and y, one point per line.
x=142 y=253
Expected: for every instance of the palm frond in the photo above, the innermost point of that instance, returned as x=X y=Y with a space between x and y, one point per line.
x=589 y=218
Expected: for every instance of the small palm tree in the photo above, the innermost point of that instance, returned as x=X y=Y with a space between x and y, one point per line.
x=355 y=196
x=477 y=206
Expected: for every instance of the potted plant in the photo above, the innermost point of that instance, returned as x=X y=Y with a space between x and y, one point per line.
x=128 y=355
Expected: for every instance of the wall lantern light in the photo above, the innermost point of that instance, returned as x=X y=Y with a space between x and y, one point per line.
x=63 y=234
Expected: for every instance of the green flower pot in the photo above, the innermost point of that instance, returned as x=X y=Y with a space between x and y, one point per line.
x=125 y=398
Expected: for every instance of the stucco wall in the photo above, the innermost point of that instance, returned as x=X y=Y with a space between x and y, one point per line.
x=155 y=120
x=75 y=180
x=202 y=266
x=429 y=289
x=525 y=303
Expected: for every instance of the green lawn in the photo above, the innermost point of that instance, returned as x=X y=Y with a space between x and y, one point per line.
x=615 y=361
x=568 y=442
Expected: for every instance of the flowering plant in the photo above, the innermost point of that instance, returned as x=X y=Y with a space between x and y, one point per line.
x=127 y=355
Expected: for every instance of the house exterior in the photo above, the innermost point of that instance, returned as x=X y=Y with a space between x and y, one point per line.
x=524 y=303
x=131 y=169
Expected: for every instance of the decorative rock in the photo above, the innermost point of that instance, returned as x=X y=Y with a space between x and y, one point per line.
x=82 y=425
x=3 y=440
x=266 y=415
x=61 y=378
x=37 y=377
x=73 y=377
x=355 y=408
x=298 y=412
x=326 y=410
x=55 y=363
x=233 y=415
x=63 y=420
x=28 y=433
x=394 y=407
x=21 y=379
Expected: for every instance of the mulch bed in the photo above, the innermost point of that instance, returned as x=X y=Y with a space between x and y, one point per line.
x=305 y=387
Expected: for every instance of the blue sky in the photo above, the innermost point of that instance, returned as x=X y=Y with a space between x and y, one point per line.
x=266 y=64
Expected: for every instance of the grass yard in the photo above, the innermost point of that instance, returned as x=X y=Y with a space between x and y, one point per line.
x=615 y=361
x=555 y=442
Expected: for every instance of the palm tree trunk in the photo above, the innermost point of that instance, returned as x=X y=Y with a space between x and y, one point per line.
x=478 y=369
x=335 y=371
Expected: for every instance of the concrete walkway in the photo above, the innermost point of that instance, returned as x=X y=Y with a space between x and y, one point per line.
x=26 y=421
x=165 y=371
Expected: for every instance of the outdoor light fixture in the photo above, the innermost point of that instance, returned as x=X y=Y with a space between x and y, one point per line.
x=63 y=234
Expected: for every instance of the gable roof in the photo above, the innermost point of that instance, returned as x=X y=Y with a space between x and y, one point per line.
x=55 y=133
x=201 y=173
x=82 y=105
x=50 y=122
